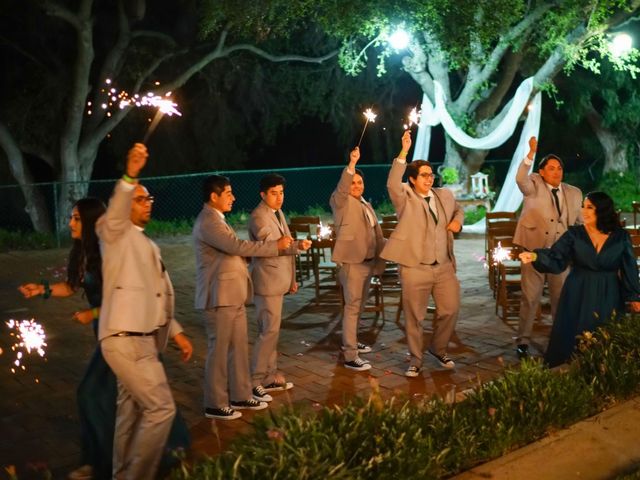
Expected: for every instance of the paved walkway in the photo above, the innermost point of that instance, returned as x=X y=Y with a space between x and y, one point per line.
x=38 y=420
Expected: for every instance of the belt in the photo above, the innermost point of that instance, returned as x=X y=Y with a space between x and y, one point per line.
x=135 y=334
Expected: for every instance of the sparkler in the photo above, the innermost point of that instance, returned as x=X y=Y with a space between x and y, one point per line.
x=122 y=99
x=371 y=117
x=414 y=118
x=500 y=254
x=29 y=337
x=324 y=231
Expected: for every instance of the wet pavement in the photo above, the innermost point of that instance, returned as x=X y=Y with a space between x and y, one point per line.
x=38 y=420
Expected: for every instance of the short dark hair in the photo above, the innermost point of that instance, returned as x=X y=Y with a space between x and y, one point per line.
x=413 y=169
x=545 y=160
x=359 y=172
x=606 y=215
x=271 y=180
x=214 y=184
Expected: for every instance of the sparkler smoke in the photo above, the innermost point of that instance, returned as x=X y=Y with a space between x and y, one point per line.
x=29 y=337
x=370 y=117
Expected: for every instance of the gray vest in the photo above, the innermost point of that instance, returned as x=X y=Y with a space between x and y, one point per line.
x=436 y=236
x=369 y=232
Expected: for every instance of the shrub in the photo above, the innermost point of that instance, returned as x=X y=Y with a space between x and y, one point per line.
x=473 y=215
x=20 y=240
x=397 y=438
x=622 y=187
x=449 y=176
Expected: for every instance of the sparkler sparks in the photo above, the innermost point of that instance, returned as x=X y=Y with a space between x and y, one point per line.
x=499 y=254
x=370 y=117
x=30 y=337
x=324 y=231
x=123 y=99
x=414 y=118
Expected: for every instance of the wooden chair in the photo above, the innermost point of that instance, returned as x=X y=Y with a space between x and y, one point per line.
x=321 y=266
x=635 y=207
x=304 y=261
x=508 y=288
x=497 y=233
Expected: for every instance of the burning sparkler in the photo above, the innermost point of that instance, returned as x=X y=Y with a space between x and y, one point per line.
x=324 y=231
x=370 y=117
x=499 y=254
x=414 y=118
x=29 y=337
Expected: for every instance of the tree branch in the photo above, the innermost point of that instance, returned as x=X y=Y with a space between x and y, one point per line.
x=56 y=10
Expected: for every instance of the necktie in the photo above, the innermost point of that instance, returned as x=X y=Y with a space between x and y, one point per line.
x=367 y=213
x=428 y=199
x=556 y=199
x=278 y=217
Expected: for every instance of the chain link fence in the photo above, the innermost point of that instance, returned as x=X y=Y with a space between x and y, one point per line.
x=179 y=197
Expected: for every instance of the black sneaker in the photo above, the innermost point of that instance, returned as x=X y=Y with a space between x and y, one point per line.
x=522 y=351
x=224 y=413
x=443 y=360
x=260 y=394
x=250 y=404
x=278 y=386
x=362 y=348
x=357 y=365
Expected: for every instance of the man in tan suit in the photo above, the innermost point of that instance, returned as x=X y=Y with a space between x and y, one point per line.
x=136 y=319
x=357 y=250
x=550 y=206
x=223 y=287
x=422 y=244
x=273 y=277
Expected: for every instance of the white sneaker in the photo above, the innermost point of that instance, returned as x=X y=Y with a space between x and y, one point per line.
x=358 y=365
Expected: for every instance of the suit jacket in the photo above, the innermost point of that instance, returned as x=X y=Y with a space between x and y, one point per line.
x=271 y=275
x=350 y=224
x=539 y=216
x=406 y=245
x=222 y=277
x=137 y=294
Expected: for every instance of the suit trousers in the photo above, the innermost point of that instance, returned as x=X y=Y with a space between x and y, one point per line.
x=264 y=362
x=355 y=279
x=418 y=284
x=145 y=406
x=226 y=371
x=532 y=284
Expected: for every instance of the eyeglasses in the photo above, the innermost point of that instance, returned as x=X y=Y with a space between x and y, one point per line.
x=143 y=200
x=427 y=175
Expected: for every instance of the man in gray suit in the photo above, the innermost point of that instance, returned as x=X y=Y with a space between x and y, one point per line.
x=273 y=277
x=357 y=250
x=422 y=244
x=223 y=287
x=136 y=319
x=550 y=206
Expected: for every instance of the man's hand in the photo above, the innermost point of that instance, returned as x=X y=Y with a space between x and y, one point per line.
x=454 y=226
x=527 y=257
x=29 y=290
x=294 y=288
x=354 y=156
x=284 y=243
x=533 y=147
x=184 y=345
x=136 y=160
x=406 y=143
x=304 y=244
x=84 y=317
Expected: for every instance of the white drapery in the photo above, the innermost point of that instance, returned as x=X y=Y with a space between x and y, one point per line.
x=510 y=196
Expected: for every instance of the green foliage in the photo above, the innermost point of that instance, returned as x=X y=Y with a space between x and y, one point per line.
x=622 y=187
x=385 y=207
x=169 y=228
x=474 y=214
x=20 y=240
x=432 y=439
x=449 y=176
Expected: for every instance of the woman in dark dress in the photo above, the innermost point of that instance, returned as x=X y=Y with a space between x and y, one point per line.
x=98 y=389
x=604 y=275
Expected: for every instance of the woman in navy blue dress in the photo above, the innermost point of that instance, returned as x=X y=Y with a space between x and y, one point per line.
x=603 y=276
x=98 y=389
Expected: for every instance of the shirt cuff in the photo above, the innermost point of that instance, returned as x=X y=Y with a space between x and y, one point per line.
x=527 y=161
x=126 y=186
x=401 y=160
x=351 y=171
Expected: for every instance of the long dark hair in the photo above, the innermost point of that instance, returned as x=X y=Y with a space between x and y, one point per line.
x=84 y=256
x=606 y=216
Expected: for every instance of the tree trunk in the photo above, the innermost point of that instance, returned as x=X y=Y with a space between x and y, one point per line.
x=615 y=151
x=35 y=203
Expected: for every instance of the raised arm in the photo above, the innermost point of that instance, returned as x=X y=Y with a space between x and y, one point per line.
x=117 y=220
x=340 y=195
x=398 y=167
x=523 y=179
